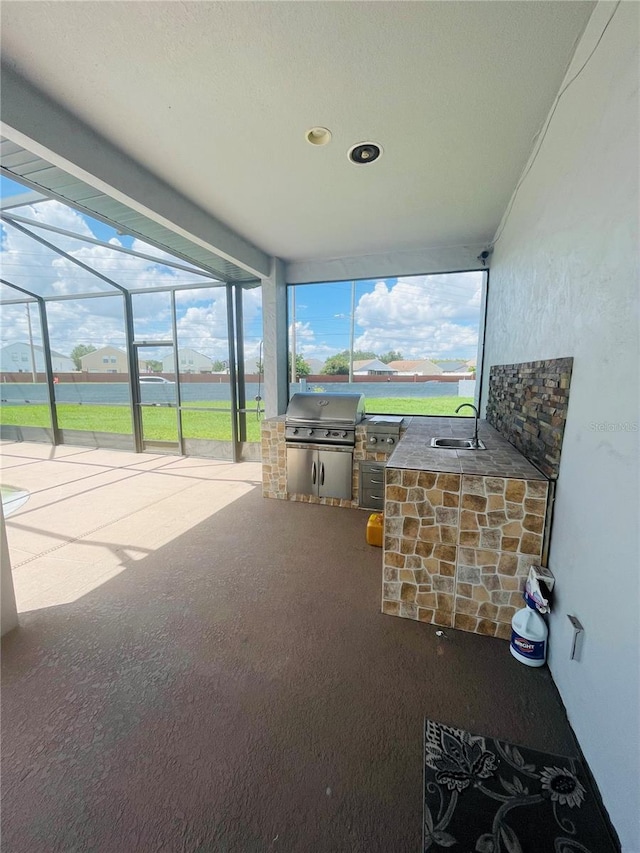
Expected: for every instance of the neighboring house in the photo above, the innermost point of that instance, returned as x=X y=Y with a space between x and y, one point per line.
x=372 y=367
x=105 y=360
x=16 y=358
x=422 y=367
x=452 y=366
x=190 y=361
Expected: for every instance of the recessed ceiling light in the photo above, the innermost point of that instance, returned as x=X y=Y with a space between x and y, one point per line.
x=364 y=152
x=318 y=136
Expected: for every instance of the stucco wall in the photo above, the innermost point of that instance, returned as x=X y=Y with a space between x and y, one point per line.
x=564 y=282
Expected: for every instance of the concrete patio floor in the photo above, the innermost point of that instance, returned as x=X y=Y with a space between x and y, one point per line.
x=200 y=669
x=91 y=512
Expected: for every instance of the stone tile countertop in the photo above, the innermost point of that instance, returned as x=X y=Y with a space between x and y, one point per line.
x=500 y=459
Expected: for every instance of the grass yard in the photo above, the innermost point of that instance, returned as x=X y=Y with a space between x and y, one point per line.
x=445 y=406
x=160 y=422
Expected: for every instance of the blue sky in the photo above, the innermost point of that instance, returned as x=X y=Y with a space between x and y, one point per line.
x=420 y=316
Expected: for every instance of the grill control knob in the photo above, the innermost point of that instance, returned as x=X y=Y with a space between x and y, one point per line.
x=327 y=433
x=295 y=430
x=343 y=434
x=309 y=432
x=390 y=440
x=373 y=439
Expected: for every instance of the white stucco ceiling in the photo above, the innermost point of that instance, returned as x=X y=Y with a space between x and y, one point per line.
x=215 y=99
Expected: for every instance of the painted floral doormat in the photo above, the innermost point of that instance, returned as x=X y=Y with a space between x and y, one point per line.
x=489 y=796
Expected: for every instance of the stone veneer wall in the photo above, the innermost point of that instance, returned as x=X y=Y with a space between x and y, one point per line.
x=458 y=547
x=274 y=465
x=527 y=404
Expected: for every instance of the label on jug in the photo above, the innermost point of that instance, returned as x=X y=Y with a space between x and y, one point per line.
x=533 y=649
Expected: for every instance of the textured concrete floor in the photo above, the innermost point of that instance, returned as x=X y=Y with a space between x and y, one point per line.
x=200 y=669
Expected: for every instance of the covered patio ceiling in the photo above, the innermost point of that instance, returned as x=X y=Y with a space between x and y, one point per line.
x=207 y=104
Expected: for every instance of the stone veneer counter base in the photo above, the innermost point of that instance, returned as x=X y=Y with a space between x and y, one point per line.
x=460 y=533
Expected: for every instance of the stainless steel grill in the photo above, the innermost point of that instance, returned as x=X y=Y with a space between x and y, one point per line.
x=383 y=432
x=324 y=418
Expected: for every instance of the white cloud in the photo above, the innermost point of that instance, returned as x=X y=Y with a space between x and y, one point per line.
x=304 y=334
x=422 y=316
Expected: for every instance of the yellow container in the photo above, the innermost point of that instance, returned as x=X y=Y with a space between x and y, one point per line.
x=375 y=529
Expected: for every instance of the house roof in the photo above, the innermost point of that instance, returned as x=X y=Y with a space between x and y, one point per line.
x=100 y=350
x=423 y=365
x=37 y=348
x=372 y=364
x=453 y=366
x=120 y=101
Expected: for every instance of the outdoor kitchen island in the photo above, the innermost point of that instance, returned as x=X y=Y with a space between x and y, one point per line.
x=461 y=528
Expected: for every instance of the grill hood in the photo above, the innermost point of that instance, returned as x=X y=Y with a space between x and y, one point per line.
x=310 y=408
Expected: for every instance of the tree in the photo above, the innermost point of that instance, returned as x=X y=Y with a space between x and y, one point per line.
x=153 y=365
x=302 y=368
x=392 y=355
x=358 y=354
x=78 y=351
x=337 y=365
x=219 y=366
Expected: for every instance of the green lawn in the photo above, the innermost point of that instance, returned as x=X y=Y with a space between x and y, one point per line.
x=160 y=423
x=417 y=405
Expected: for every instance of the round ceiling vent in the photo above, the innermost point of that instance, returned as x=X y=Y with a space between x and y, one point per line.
x=364 y=152
x=318 y=136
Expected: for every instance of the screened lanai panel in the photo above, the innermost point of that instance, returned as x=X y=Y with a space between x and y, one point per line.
x=126 y=270
x=42 y=271
x=408 y=343
x=203 y=363
x=24 y=409
x=152 y=319
x=146 y=348
x=92 y=395
x=10 y=294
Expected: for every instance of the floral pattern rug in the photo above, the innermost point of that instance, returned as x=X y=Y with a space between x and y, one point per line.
x=488 y=796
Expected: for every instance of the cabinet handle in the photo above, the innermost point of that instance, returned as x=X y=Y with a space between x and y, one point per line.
x=322 y=473
x=314 y=473
x=379 y=497
x=377 y=482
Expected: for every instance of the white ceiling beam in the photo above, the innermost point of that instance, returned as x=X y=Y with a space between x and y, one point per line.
x=387 y=265
x=34 y=121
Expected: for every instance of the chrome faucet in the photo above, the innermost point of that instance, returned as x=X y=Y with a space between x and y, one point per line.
x=476 y=443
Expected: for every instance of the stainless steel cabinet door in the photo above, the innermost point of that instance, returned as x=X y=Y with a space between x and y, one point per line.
x=302 y=471
x=335 y=477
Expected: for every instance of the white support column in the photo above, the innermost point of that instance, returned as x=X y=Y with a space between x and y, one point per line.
x=274 y=318
x=8 y=610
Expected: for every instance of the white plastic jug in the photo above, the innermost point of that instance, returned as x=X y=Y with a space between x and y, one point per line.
x=529 y=634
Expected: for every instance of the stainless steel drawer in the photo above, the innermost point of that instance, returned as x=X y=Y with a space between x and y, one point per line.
x=371 y=491
x=372 y=498
x=371 y=475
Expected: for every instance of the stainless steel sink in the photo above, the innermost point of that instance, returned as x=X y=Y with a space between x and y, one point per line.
x=456 y=444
